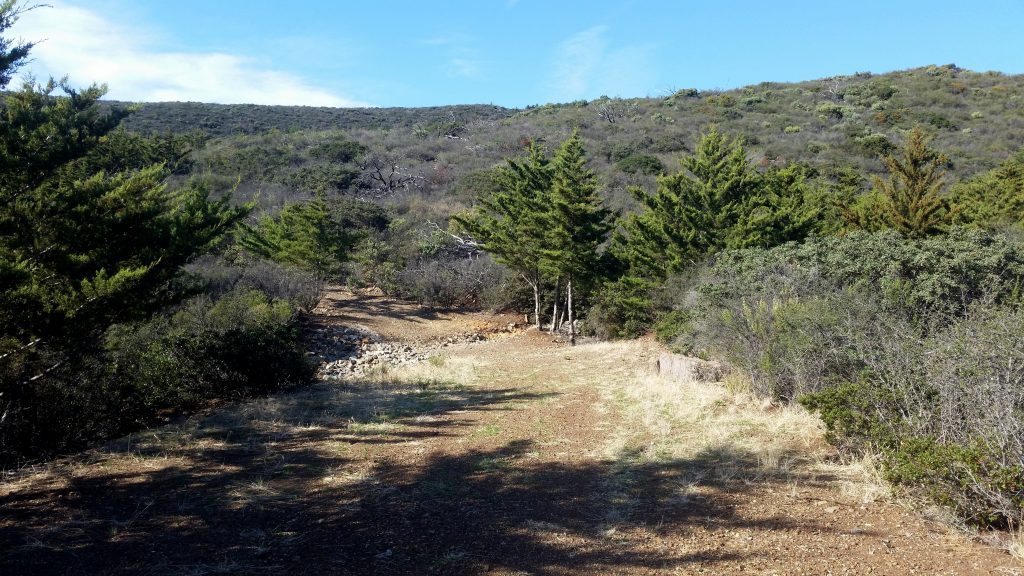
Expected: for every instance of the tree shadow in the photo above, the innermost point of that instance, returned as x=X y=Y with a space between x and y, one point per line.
x=285 y=484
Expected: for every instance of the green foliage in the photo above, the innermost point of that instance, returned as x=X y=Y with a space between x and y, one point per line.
x=641 y=164
x=578 y=223
x=875 y=145
x=545 y=221
x=12 y=54
x=511 y=222
x=219 y=120
x=91 y=235
x=622 y=309
x=993 y=200
x=718 y=201
x=909 y=200
x=66 y=274
x=242 y=343
x=306 y=235
x=942 y=274
x=294 y=164
x=908 y=347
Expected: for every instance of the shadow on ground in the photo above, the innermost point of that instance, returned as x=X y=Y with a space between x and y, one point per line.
x=288 y=485
x=348 y=310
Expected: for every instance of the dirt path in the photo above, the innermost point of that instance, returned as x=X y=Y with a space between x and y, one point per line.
x=515 y=455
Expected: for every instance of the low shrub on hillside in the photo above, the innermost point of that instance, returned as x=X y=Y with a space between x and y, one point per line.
x=452 y=283
x=910 y=348
x=945 y=409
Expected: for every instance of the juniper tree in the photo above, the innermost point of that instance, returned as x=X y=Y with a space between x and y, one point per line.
x=80 y=247
x=511 y=224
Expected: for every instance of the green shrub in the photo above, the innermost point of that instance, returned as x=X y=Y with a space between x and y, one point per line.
x=907 y=348
x=241 y=344
x=641 y=164
x=621 y=309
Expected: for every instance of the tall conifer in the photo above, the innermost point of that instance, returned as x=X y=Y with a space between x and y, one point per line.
x=579 y=223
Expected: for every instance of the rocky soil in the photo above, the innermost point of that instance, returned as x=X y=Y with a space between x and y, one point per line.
x=344 y=351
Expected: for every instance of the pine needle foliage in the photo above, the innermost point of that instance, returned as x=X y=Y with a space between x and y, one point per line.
x=718 y=200
x=912 y=203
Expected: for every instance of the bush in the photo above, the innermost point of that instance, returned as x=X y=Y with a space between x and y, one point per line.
x=450 y=283
x=641 y=164
x=945 y=409
x=621 y=309
x=909 y=348
x=239 y=344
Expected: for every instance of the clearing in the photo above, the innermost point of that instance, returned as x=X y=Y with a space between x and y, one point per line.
x=512 y=455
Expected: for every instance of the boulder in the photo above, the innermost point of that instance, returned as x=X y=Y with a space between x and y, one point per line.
x=688 y=369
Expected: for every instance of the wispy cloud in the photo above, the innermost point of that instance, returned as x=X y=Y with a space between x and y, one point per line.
x=464 y=68
x=90 y=48
x=586 y=65
x=462 y=59
x=576 y=63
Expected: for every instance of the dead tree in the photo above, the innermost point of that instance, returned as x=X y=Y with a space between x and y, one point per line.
x=382 y=174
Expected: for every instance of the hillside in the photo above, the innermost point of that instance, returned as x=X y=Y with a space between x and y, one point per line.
x=230 y=119
x=977 y=119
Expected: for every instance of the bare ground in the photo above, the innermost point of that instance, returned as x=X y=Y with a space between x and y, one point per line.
x=516 y=455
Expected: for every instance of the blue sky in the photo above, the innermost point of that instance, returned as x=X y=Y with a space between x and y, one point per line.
x=505 y=52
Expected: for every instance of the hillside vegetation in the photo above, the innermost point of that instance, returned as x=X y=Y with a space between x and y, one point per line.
x=977 y=118
x=852 y=244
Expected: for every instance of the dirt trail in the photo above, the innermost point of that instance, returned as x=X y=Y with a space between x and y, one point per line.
x=515 y=455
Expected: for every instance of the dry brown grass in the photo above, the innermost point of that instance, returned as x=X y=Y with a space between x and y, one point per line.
x=722 y=423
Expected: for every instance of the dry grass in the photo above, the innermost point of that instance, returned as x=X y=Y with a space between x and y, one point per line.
x=743 y=437
x=690 y=418
x=1015 y=544
x=861 y=479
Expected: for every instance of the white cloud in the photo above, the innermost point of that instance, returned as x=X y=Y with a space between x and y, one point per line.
x=585 y=66
x=576 y=62
x=463 y=68
x=462 y=59
x=89 y=48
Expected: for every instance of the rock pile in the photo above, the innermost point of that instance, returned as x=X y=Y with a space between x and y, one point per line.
x=343 y=351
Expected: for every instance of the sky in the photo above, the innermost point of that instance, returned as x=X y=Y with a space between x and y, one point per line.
x=506 y=52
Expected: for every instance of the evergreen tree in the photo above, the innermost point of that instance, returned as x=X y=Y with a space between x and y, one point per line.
x=306 y=235
x=780 y=209
x=912 y=204
x=692 y=211
x=993 y=200
x=12 y=55
x=79 y=249
x=578 y=223
x=511 y=224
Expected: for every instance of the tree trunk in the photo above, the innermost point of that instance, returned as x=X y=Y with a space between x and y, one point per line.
x=572 y=325
x=536 y=304
x=554 y=309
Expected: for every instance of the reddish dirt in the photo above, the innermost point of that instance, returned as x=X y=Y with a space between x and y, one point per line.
x=506 y=471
